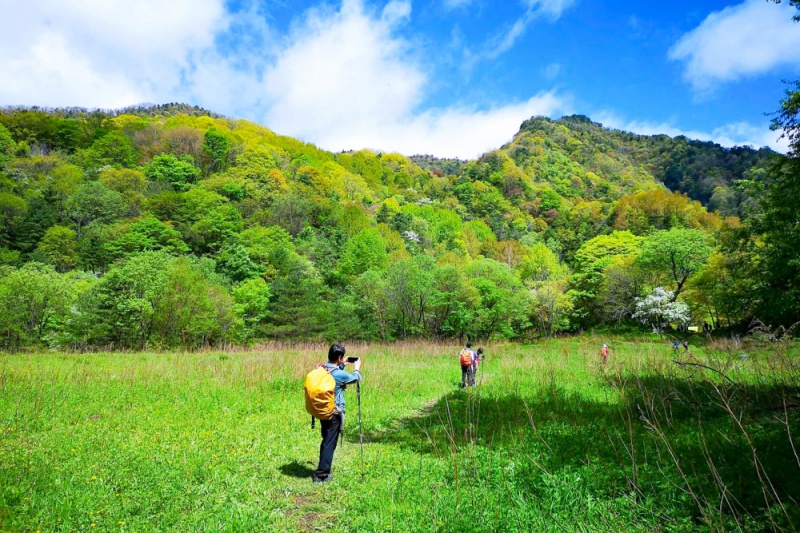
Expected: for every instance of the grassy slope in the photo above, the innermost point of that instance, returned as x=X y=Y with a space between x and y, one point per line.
x=221 y=442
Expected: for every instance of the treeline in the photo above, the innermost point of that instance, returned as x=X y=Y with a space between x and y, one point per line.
x=168 y=228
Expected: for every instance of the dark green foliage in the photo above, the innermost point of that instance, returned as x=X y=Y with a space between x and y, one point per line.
x=216 y=147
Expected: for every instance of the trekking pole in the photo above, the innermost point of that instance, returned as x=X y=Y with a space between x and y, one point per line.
x=360 y=430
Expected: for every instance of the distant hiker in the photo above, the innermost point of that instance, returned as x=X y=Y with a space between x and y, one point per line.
x=476 y=360
x=686 y=346
x=604 y=353
x=331 y=427
x=676 y=346
x=466 y=358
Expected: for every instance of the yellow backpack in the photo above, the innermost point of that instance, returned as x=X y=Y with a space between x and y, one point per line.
x=320 y=388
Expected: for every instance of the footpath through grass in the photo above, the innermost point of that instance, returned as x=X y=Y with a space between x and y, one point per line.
x=548 y=441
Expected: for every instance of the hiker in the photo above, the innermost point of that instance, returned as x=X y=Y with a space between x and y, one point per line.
x=686 y=346
x=330 y=429
x=604 y=353
x=676 y=346
x=467 y=359
x=476 y=359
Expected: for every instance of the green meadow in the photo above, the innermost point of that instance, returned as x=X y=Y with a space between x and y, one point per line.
x=549 y=440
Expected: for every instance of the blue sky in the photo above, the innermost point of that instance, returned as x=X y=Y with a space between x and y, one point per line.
x=453 y=78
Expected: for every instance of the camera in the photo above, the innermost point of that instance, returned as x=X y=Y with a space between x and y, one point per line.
x=352 y=359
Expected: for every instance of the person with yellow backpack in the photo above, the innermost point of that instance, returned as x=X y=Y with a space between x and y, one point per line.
x=467 y=359
x=324 y=392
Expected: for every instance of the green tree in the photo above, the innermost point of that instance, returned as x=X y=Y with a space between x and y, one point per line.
x=235 y=263
x=128 y=297
x=252 y=304
x=93 y=201
x=12 y=210
x=215 y=148
x=504 y=304
x=7 y=147
x=33 y=299
x=179 y=174
x=678 y=253
x=145 y=235
x=364 y=251
x=59 y=248
x=113 y=149
x=589 y=266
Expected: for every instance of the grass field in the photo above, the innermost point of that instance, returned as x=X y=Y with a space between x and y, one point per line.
x=548 y=441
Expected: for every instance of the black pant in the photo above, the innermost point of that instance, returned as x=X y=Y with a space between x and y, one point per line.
x=329 y=429
x=467 y=376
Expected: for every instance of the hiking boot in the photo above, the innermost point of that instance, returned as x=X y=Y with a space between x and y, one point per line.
x=326 y=479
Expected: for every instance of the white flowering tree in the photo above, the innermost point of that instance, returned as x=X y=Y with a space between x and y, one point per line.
x=658 y=310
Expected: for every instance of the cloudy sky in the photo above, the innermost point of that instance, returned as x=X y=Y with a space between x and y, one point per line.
x=449 y=77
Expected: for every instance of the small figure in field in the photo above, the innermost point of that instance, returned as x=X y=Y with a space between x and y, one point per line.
x=604 y=354
x=676 y=346
x=476 y=360
x=686 y=346
x=467 y=359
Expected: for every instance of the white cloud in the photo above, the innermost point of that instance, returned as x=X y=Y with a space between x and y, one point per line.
x=729 y=135
x=345 y=82
x=743 y=40
x=342 y=78
x=535 y=9
x=552 y=71
x=455 y=4
x=100 y=53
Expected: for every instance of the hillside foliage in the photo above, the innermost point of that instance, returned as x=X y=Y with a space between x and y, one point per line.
x=172 y=226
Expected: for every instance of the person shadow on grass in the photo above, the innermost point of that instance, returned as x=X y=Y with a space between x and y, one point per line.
x=296 y=469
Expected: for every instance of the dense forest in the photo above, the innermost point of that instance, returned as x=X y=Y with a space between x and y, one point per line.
x=172 y=226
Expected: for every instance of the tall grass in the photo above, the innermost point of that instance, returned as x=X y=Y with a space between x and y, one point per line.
x=550 y=439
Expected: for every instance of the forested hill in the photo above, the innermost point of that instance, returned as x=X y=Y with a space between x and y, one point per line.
x=172 y=225
x=579 y=158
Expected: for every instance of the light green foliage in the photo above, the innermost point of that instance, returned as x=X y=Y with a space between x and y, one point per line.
x=270 y=247
x=677 y=253
x=113 y=149
x=252 y=302
x=58 y=247
x=364 y=251
x=503 y=306
x=147 y=234
x=547 y=280
x=128 y=297
x=155 y=297
x=9 y=257
x=319 y=227
x=33 y=300
x=589 y=265
x=179 y=174
x=7 y=147
x=235 y=263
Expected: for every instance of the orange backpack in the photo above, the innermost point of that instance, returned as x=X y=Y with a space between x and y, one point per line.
x=466 y=357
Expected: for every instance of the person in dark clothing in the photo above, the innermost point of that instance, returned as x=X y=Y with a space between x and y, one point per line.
x=330 y=429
